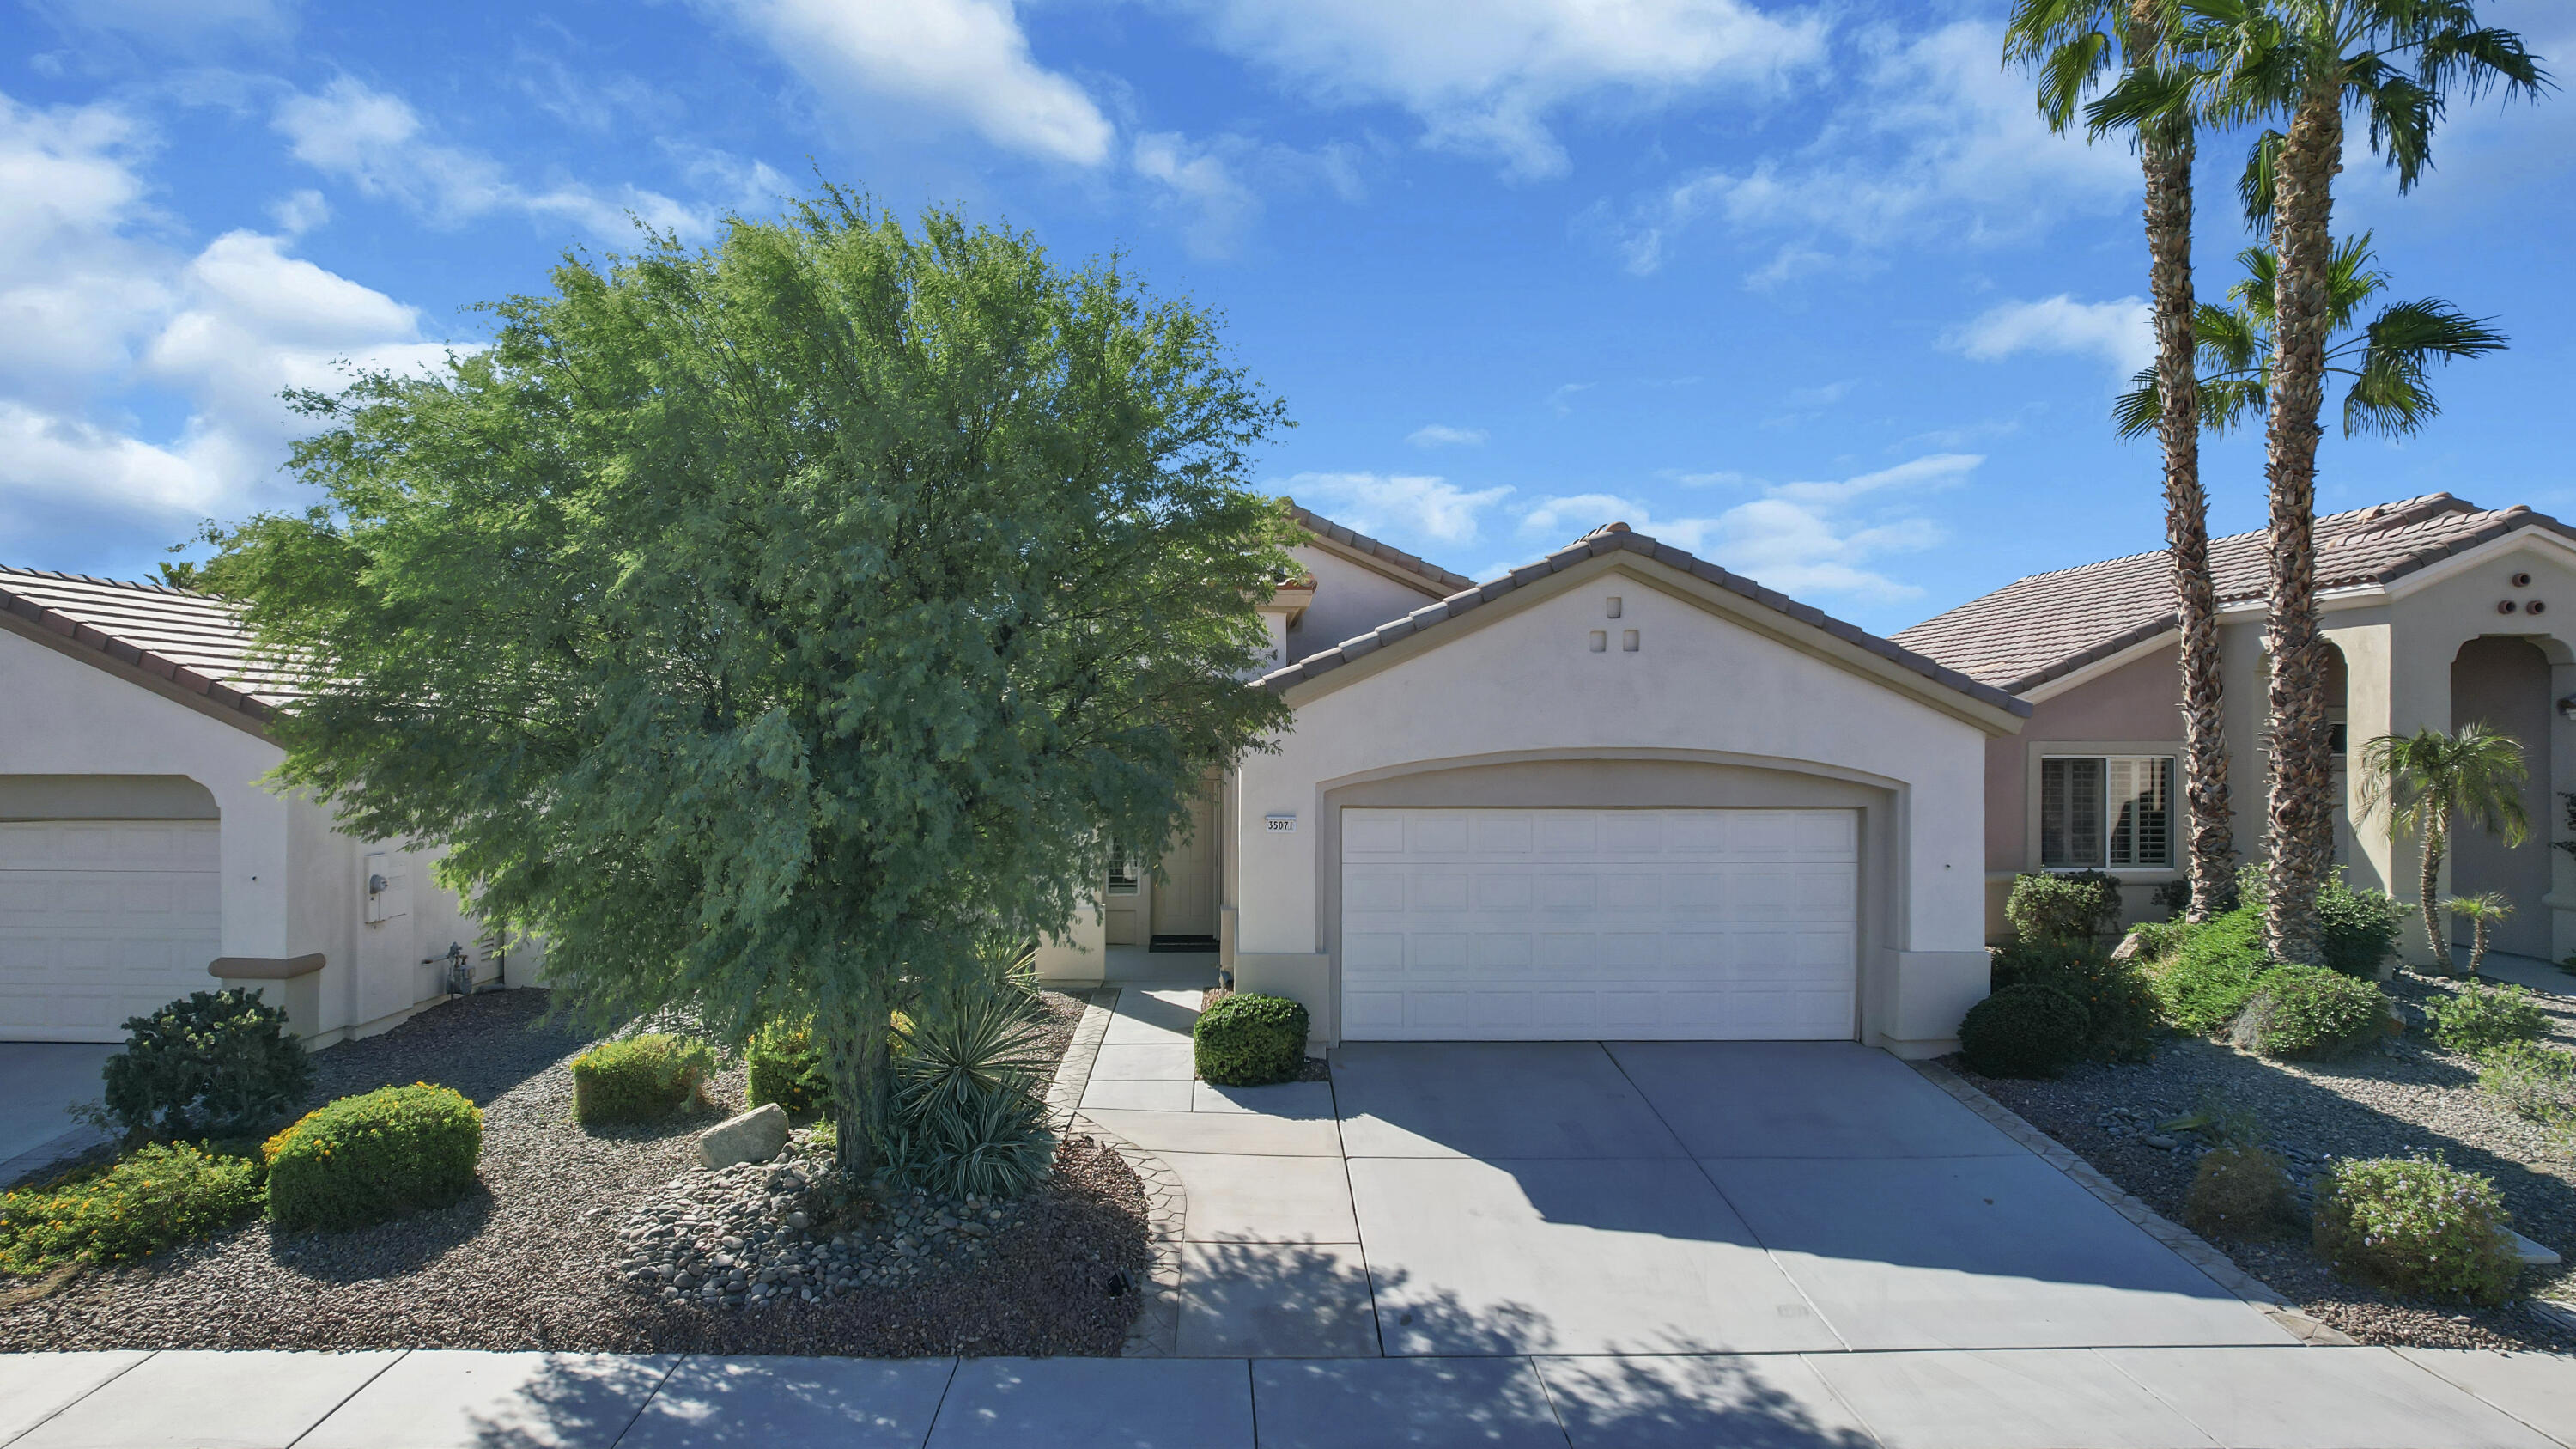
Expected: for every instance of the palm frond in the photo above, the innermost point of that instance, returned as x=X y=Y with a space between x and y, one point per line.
x=2255 y=188
x=2138 y=411
x=2390 y=394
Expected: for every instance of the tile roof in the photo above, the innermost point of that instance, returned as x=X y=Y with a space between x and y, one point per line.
x=1385 y=553
x=1616 y=538
x=192 y=640
x=2039 y=628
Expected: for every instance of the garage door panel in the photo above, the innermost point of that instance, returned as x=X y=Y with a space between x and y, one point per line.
x=103 y=920
x=1574 y=924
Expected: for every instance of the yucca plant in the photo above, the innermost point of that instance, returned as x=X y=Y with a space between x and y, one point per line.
x=968 y=1117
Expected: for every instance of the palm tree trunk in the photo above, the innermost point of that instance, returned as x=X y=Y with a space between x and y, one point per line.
x=2302 y=776
x=2167 y=155
x=2429 y=891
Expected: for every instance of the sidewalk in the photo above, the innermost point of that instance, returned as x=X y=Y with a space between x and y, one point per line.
x=2244 y=1398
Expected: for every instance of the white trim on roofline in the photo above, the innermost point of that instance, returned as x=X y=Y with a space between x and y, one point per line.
x=2434 y=573
x=2083 y=675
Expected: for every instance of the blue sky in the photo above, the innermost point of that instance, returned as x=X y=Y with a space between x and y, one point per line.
x=1803 y=288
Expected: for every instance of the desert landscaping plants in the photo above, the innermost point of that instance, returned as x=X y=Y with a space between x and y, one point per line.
x=366 y=1158
x=2482 y=1018
x=160 y=1195
x=2419 y=1226
x=211 y=1064
x=2023 y=1031
x=1250 y=1039
x=641 y=1078
x=2310 y=1011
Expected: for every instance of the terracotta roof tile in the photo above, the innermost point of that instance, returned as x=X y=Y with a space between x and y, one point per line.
x=2036 y=629
x=192 y=640
x=1611 y=539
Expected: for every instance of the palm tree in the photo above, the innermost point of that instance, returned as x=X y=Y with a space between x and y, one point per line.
x=2483 y=912
x=2387 y=360
x=2424 y=779
x=2072 y=42
x=2398 y=63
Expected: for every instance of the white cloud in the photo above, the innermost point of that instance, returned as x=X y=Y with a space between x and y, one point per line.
x=97 y=312
x=1936 y=140
x=1441 y=435
x=1401 y=505
x=2121 y=333
x=966 y=62
x=1801 y=538
x=1490 y=77
x=299 y=211
x=376 y=142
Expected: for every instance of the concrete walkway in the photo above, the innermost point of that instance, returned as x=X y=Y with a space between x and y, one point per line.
x=2245 y=1398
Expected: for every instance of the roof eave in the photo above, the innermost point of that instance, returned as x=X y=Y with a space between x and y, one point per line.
x=167 y=677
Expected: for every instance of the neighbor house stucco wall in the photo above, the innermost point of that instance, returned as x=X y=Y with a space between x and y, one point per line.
x=1350 y=599
x=1517 y=681
x=289 y=882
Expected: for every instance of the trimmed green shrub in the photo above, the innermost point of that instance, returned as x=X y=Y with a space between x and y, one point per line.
x=366 y=1158
x=211 y=1064
x=2356 y=930
x=2119 y=1010
x=2202 y=986
x=2075 y=906
x=2310 y=1011
x=786 y=1067
x=2416 y=1226
x=1250 y=1040
x=163 y=1194
x=638 y=1078
x=2532 y=1082
x=969 y=1117
x=2238 y=1191
x=2479 y=1018
x=2023 y=1031
x=2159 y=939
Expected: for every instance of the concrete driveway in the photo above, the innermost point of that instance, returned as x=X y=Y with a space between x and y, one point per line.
x=38 y=1079
x=1633 y=1198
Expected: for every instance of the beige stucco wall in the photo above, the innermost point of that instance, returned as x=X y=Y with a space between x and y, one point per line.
x=2134 y=708
x=290 y=883
x=1515 y=684
x=1350 y=600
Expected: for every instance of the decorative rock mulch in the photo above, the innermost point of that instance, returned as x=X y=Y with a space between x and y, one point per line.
x=531 y=1259
x=2401 y=1098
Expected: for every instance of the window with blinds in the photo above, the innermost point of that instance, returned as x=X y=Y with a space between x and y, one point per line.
x=2098 y=811
x=1123 y=867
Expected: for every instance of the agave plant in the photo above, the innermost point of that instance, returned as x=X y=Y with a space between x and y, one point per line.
x=968 y=1117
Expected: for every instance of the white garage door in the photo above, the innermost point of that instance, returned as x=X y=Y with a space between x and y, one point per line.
x=101 y=920
x=1537 y=925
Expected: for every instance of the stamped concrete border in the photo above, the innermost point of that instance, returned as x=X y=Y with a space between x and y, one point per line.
x=1157 y=1329
x=2184 y=1242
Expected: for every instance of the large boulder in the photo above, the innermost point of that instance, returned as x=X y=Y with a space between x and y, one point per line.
x=756 y=1136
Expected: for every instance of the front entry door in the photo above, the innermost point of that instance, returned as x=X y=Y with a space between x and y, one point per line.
x=1185 y=898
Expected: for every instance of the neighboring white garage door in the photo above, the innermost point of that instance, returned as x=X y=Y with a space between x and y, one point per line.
x=101 y=920
x=1538 y=925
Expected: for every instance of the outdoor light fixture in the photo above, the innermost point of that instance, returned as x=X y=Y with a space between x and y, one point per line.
x=2567 y=707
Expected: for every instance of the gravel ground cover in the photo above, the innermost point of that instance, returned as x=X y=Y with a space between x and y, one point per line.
x=2406 y=1096
x=531 y=1259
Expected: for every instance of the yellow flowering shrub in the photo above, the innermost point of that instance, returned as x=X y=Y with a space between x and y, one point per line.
x=365 y=1158
x=160 y=1195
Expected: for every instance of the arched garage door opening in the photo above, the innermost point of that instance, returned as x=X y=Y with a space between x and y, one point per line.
x=110 y=901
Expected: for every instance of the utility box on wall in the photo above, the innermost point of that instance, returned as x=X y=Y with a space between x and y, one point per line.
x=387 y=885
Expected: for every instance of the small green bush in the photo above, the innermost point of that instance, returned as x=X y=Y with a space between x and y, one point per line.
x=2532 y=1082
x=164 y=1194
x=2238 y=1191
x=2202 y=986
x=363 y=1159
x=2159 y=939
x=2023 y=1031
x=2119 y=1010
x=1250 y=1040
x=786 y=1067
x=2418 y=1227
x=2480 y=1018
x=2074 y=906
x=638 y=1078
x=211 y=1064
x=2310 y=1011
x=2356 y=930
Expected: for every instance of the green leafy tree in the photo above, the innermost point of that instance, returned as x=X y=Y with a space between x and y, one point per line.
x=2156 y=88
x=2398 y=64
x=2423 y=780
x=2387 y=359
x=777 y=627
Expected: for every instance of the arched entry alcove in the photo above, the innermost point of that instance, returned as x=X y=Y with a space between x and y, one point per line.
x=2504 y=684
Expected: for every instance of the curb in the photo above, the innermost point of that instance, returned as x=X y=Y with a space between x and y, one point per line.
x=2186 y=1244
x=1073 y=1070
